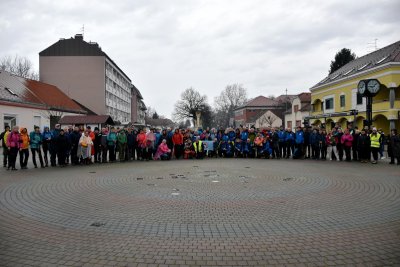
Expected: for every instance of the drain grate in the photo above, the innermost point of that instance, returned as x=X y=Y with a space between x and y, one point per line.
x=159 y=178
x=139 y=178
x=97 y=224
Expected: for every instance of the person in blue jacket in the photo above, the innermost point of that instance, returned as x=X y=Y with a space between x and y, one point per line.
x=238 y=147
x=282 y=142
x=47 y=136
x=314 y=142
x=299 y=138
x=35 y=138
x=289 y=139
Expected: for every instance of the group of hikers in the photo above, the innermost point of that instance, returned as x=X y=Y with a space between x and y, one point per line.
x=80 y=146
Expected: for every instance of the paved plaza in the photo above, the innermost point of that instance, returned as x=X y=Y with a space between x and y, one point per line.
x=219 y=212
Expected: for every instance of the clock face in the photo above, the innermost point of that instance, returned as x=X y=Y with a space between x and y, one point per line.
x=373 y=86
x=361 y=87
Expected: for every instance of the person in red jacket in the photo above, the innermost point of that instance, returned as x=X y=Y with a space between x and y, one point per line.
x=142 y=144
x=347 y=141
x=14 y=144
x=177 y=140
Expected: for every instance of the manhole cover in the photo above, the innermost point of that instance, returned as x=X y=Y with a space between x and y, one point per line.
x=139 y=178
x=97 y=224
x=287 y=179
x=159 y=178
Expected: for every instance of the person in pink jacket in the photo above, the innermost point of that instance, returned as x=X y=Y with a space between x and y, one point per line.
x=347 y=141
x=14 y=144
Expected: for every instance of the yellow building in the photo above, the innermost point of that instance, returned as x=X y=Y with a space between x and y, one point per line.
x=335 y=100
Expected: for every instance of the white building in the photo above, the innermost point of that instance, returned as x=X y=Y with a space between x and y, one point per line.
x=27 y=103
x=301 y=107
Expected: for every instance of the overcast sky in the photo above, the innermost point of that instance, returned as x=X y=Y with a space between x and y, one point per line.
x=168 y=46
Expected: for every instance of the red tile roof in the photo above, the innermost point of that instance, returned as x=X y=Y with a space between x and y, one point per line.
x=52 y=97
x=260 y=101
x=305 y=97
x=18 y=91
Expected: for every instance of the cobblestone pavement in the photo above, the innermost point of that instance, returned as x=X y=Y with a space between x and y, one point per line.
x=219 y=212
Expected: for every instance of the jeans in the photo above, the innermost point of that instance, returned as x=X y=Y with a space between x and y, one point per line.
x=39 y=152
x=23 y=157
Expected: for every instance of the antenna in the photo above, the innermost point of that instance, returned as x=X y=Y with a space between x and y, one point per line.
x=83 y=30
x=372 y=46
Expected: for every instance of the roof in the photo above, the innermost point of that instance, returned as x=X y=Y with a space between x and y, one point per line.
x=90 y=119
x=160 y=122
x=390 y=53
x=18 y=91
x=77 y=47
x=285 y=98
x=88 y=110
x=304 y=97
x=52 y=96
x=260 y=101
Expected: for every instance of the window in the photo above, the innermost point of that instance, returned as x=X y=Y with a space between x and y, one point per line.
x=359 y=99
x=296 y=108
x=37 y=121
x=329 y=103
x=298 y=123
x=342 y=101
x=10 y=120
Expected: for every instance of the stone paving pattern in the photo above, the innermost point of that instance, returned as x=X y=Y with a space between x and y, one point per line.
x=219 y=212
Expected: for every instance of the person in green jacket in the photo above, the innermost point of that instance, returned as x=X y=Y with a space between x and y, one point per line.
x=36 y=142
x=111 y=141
x=122 y=143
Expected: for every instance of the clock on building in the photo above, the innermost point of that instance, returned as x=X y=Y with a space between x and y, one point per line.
x=373 y=86
x=361 y=87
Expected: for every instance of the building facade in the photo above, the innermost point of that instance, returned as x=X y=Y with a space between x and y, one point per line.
x=263 y=111
x=27 y=103
x=88 y=75
x=300 y=109
x=138 y=108
x=335 y=100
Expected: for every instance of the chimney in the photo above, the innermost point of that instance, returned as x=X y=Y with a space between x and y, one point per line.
x=79 y=37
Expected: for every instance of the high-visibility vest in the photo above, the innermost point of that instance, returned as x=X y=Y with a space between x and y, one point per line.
x=375 y=140
x=200 y=146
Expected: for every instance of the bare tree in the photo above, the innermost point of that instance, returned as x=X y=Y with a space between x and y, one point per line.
x=190 y=102
x=271 y=97
x=267 y=119
x=232 y=97
x=20 y=66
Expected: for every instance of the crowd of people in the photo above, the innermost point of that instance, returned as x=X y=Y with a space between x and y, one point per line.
x=79 y=146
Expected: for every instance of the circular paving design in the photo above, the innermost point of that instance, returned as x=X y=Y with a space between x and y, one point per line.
x=212 y=212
